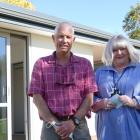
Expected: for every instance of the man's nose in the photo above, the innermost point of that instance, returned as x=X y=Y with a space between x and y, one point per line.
x=64 y=38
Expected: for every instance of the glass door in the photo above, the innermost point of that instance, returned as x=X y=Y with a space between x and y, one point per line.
x=5 y=88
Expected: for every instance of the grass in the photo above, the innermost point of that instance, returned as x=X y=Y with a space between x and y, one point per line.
x=3 y=129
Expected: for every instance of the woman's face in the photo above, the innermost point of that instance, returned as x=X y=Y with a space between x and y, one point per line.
x=121 y=56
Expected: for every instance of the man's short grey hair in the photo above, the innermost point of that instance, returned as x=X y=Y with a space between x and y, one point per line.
x=62 y=24
x=116 y=42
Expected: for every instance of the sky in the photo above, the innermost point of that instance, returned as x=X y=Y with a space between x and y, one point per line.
x=104 y=15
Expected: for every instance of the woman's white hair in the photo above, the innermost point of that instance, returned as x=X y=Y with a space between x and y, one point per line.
x=116 y=42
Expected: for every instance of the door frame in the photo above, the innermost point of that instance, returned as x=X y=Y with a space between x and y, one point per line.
x=8 y=84
x=8 y=33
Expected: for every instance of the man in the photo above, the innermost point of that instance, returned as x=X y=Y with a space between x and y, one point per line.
x=62 y=86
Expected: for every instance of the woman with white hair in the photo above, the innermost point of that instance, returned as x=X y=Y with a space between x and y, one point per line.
x=117 y=103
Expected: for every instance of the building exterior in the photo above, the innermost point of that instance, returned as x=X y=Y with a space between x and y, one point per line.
x=24 y=37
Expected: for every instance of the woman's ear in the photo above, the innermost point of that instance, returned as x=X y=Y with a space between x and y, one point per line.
x=74 y=39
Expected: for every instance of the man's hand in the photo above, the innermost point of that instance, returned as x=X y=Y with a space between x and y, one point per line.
x=65 y=128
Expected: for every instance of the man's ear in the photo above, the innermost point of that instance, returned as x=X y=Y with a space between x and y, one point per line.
x=53 y=37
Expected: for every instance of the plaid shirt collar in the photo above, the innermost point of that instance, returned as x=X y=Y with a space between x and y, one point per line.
x=52 y=58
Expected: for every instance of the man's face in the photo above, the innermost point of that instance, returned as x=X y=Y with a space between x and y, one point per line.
x=63 y=39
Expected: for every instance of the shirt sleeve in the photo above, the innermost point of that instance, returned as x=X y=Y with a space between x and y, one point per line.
x=90 y=82
x=36 y=85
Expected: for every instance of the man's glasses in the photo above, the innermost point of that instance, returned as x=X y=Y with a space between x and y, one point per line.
x=65 y=75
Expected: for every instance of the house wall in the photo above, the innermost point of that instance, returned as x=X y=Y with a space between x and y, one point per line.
x=42 y=46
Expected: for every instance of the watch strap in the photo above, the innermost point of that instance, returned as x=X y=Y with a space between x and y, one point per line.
x=76 y=120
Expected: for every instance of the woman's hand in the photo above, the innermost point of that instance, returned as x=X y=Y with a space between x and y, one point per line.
x=104 y=103
x=126 y=100
x=109 y=105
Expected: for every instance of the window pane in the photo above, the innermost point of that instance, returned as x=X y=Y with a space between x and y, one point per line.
x=3 y=123
x=3 y=95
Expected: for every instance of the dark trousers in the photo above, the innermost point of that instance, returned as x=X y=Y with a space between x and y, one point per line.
x=80 y=133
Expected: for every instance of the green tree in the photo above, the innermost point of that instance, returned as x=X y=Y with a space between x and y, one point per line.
x=21 y=3
x=132 y=22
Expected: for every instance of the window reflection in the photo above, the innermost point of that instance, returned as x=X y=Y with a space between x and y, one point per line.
x=3 y=123
x=3 y=94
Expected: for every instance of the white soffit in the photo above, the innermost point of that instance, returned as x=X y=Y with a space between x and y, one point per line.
x=89 y=41
x=26 y=28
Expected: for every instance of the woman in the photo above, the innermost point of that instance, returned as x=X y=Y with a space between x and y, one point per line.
x=117 y=103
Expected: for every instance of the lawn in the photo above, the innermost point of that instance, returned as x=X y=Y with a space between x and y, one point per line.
x=3 y=130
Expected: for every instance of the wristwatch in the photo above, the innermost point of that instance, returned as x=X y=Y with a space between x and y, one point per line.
x=76 y=120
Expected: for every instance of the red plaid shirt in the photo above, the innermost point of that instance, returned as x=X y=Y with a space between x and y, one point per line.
x=62 y=87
